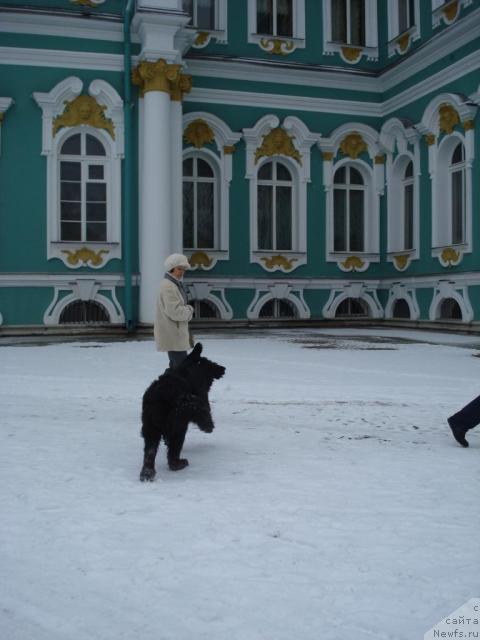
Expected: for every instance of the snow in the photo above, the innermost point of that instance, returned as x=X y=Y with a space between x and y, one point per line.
x=330 y=502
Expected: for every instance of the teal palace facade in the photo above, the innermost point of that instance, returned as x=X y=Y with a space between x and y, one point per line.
x=315 y=160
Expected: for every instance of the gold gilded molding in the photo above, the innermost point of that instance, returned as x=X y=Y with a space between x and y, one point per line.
x=229 y=149
x=380 y=159
x=84 y=110
x=155 y=76
x=353 y=263
x=403 y=41
x=448 y=118
x=328 y=156
x=278 y=142
x=200 y=259
x=451 y=11
x=430 y=139
x=401 y=261
x=353 y=145
x=180 y=86
x=468 y=125
x=352 y=54
x=277 y=47
x=279 y=261
x=201 y=38
x=450 y=256
x=85 y=255
x=198 y=133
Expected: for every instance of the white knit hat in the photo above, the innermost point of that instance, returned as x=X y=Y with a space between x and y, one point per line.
x=176 y=260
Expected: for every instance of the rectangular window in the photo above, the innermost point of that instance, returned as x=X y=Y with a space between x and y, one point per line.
x=348 y=22
x=406 y=15
x=265 y=217
x=457 y=207
x=202 y=13
x=275 y=17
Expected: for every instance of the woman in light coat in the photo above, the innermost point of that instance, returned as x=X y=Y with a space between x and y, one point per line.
x=172 y=313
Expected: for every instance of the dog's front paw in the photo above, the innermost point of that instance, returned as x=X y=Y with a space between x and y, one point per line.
x=147 y=474
x=178 y=465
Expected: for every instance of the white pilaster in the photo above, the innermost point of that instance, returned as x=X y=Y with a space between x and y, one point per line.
x=176 y=173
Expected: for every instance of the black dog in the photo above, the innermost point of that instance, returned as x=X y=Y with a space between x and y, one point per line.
x=177 y=397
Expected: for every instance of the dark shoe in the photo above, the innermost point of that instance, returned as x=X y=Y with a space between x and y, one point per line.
x=147 y=474
x=178 y=465
x=458 y=433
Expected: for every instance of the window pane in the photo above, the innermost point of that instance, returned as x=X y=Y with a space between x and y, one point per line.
x=71 y=231
x=409 y=170
x=357 y=22
x=283 y=173
x=267 y=310
x=204 y=169
x=206 y=14
x=339 y=20
x=284 y=18
x=187 y=6
x=339 y=220
x=265 y=172
x=96 y=171
x=408 y=216
x=94 y=146
x=356 y=220
x=457 y=207
x=285 y=309
x=340 y=176
x=265 y=220
x=265 y=16
x=188 y=167
x=355 y=176
x=70 y=171
x=205 y=217
x=70 y=211
x=188 y=215
x=96 y=192
x=71 y=146
x=96 y=212
x=284 y=218
x=458 y=154
x=70 y=191
x=96 y=232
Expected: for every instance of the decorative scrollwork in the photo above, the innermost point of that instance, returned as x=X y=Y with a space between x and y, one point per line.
x=84 y=110
x=448 y=118
x=353 y=145
x=279 y=261
x=85 y=255
x=200 y=259
x=278 y=142
x=199 y=133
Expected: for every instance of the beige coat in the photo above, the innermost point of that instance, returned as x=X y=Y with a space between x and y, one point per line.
x=172 y=316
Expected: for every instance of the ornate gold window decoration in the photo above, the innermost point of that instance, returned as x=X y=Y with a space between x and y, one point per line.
x=353 y=263
x=351 y=54
x=401 y=261
x=199 y=133
x=278 y=142
x=353 y=145
x=85 y=255
x=403 y=41
x=468 y=125
x=449 y=257
x=279 y=261
x=84 y=110
x=200 y=259
x=448 y=118
x=451 y=11
x=277 y=47
x=430 y=139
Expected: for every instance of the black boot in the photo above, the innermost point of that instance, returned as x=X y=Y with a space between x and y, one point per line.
x=458 y=433
x=178 y=464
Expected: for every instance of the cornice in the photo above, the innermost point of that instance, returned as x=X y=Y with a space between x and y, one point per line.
x=62 y=59
x=58 y=279
x=279 y=101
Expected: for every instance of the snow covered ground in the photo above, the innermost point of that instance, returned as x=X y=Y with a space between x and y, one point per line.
x=330 y=502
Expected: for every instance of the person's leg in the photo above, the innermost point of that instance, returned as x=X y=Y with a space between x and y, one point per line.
x=465 y=419
x=176 y=357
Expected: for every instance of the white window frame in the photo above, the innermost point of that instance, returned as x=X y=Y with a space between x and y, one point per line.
x=369 y=50
x=212 y=161
x=274 y=183
x=219 y=33
x=347 y=187
x=53 y=105
x=265 y=41
x=459 y=167
x=396 y=43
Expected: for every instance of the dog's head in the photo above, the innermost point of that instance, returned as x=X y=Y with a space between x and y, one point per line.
x=208 y=369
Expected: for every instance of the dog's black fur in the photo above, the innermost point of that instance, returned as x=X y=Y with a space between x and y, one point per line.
x=177 y=397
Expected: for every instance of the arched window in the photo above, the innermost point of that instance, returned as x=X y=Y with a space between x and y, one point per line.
x=351 y=307
x=84 y=312
x=274 y=207
x=450 y=310
x=348 y=210
x=83 y=189
x=203 y=310
x=277 y=308
x=200 y=186
x=457 y=194
x=401 y=309
x=408 y=210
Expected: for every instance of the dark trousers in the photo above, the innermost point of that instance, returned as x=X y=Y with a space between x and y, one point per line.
x=176 y=357
x=468 y=417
